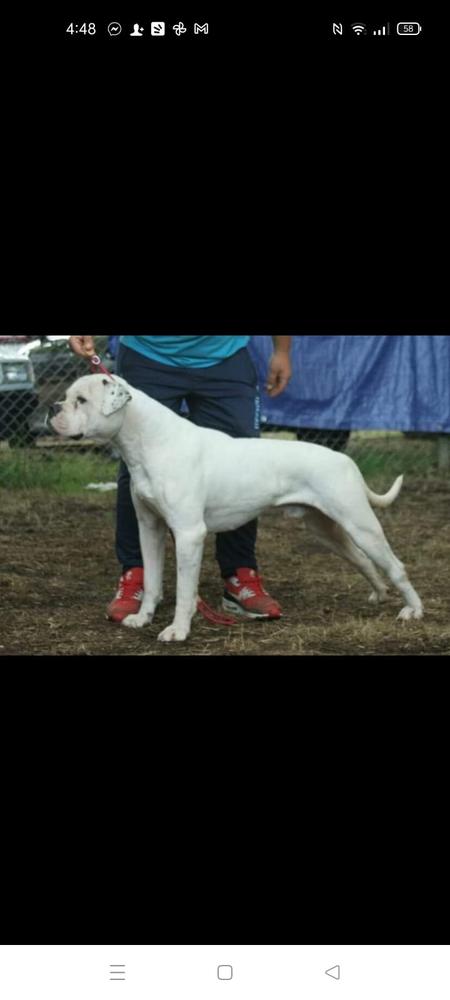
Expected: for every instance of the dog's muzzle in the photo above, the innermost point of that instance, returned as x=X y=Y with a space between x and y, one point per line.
x=53 y=410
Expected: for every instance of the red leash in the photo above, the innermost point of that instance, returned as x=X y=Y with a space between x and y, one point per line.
x=97 y=367
x=214 y=616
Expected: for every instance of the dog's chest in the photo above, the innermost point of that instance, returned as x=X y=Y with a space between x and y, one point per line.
x=145 y=490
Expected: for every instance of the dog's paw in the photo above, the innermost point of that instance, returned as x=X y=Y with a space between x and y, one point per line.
x=138 y=621
x=173 y=633
x=378 y=598
x=406 y=614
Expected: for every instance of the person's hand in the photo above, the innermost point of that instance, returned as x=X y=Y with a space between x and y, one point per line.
x=280 y=373
x=84 y=346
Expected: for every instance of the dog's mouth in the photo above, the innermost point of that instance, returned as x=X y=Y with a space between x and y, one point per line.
x=76 y=437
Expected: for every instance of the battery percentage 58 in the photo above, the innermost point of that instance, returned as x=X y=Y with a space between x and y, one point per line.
x=409 y=28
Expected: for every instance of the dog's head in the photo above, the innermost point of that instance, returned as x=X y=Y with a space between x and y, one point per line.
x=94 y=407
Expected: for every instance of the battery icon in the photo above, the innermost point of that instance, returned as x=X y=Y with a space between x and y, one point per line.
x=409 y=28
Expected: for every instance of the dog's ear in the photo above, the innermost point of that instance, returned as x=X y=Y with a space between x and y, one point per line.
x=115 y=396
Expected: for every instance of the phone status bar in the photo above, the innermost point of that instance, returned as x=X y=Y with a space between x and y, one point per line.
x=380 y=29
x=139 y=29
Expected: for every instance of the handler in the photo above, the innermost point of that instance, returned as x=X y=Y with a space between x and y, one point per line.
x=216 y=376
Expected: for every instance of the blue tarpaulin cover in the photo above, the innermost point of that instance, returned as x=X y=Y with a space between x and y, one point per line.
x=381 y=382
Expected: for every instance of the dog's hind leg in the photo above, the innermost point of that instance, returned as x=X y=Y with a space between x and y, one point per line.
x=369 y=536
x=334 y=537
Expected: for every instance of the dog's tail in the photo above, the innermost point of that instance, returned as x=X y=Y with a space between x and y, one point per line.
x=388 y=498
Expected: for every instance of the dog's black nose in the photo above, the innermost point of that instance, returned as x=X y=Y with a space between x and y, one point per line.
x=54 y=409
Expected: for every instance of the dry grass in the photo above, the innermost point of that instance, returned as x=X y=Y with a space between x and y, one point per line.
x=58 y=572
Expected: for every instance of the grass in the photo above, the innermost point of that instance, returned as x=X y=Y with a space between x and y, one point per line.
x=61 y=474
x=381 y=456
x=58 y=571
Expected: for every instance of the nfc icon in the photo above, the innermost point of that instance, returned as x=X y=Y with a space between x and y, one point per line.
x=337 y=29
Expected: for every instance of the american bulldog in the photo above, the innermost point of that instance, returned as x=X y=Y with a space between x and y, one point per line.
x=196 y=480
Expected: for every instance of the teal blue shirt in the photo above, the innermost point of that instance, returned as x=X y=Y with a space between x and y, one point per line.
x=186 y=352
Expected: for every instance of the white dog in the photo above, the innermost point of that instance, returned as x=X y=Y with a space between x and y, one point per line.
x=196 y=480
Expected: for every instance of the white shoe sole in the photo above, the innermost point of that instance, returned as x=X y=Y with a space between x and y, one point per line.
x=236 y=609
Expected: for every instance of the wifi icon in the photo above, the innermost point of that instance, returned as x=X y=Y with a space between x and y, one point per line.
x=359 y=29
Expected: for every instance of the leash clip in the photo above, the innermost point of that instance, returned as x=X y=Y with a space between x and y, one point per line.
x=97 y=367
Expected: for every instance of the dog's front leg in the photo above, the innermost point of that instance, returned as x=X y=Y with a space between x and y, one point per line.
x=152 y=537
x=189 y=548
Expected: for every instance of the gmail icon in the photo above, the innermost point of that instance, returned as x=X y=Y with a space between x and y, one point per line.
x=201 y=29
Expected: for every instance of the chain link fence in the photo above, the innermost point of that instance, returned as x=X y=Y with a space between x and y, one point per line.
x=35 y=372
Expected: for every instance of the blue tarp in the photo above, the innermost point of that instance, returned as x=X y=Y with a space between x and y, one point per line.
x=381 y=382
x=362 y=382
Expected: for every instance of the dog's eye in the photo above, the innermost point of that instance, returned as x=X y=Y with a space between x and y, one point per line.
x=81 y=399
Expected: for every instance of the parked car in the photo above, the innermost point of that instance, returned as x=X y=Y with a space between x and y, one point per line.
x=35 y=371
x=18 y=392
x=53 y=361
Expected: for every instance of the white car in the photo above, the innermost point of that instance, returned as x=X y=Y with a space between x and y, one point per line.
x=18 y=392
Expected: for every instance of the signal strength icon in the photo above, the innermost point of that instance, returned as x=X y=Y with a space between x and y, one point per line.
x=359 y=29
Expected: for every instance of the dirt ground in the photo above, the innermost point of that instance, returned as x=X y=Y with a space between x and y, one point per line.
x=58 y=572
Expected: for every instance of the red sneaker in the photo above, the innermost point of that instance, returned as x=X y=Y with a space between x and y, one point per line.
x=245 y=595
x=129 y=596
